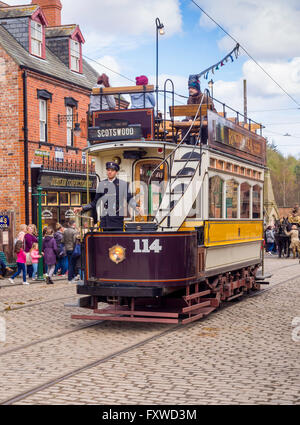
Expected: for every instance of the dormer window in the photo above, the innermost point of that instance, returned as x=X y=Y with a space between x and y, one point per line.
x=36 y=39
x=75 y=55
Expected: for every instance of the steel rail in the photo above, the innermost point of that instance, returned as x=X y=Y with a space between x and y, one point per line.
x=118 y=353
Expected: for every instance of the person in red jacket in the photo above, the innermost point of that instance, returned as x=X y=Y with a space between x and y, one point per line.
x=21 y=262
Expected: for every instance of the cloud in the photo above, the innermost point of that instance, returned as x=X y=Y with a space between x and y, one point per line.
x=268 y=29
x=119 y=24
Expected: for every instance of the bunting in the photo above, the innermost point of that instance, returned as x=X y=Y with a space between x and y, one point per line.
x=235 y=52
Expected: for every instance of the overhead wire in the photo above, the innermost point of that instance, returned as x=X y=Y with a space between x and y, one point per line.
x=243 y=48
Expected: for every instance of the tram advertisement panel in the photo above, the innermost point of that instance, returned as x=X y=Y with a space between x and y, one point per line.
x=232 y=138
x=142 y=258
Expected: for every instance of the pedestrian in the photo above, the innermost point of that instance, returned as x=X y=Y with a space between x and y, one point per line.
x=35 y=256
x=110 y=199
x=29 y=240
x=22 y=233
x=295 y=243
x=62 y=263
x=69 y=237
x=270 y=238
x=76 y=260
x=21 y=262
x=4 y=270
x=50 y=251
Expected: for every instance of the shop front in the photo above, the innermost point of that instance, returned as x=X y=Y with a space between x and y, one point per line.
x=62 y=193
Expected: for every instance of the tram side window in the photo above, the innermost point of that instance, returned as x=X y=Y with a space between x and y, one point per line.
x=256 y=202
x=231 y=199
x=216 y=197
x=245 y=200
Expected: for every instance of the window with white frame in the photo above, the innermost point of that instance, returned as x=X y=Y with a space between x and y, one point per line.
x=43 y=120
x=75 y=55
x=36 y=38
x=69 y=126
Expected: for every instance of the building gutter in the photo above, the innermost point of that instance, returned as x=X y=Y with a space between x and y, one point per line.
x=25 y=129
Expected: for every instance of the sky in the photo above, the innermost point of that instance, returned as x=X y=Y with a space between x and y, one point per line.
x=121 y=35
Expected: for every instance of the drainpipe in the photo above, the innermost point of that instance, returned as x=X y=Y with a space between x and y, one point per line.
x=26 y=173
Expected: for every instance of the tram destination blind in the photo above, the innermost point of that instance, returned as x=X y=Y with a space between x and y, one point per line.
x=97 y=134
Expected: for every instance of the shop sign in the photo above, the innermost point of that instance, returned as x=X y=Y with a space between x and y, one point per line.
x=67 y=182
x=4 y=222
x=42 y=153
x=47 y=215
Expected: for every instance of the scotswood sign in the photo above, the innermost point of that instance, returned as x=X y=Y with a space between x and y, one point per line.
x=97 y=134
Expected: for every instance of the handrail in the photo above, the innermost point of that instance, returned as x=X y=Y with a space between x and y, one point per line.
x=174 y=150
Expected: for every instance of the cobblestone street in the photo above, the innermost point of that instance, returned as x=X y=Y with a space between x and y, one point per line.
x=241 y=354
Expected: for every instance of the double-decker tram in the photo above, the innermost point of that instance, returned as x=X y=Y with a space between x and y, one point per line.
x=200 y=184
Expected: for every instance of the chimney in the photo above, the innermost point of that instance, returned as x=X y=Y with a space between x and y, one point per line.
x=52 y=11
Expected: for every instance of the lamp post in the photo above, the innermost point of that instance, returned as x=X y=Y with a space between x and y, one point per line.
x=159 y=30
x=40 y=267
x=211 y=87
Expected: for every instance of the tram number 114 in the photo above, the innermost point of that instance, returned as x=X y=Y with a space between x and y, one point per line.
x=145 y=248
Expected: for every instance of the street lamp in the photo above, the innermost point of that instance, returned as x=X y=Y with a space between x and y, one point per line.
x=159 y=30
x=211 y=87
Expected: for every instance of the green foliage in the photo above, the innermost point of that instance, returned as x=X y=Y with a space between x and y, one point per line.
x=285 y=175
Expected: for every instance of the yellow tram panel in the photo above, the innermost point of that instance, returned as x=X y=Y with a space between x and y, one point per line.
x=232 y=232
x=189 y=226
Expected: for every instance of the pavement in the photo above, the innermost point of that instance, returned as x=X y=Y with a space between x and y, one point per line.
x=245 y=353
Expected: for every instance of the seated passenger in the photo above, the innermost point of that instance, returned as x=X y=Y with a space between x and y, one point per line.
x=142 y=100
x=196 y=96
x=108 y=102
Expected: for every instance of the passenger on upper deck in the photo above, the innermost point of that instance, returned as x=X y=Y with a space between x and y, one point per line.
x=142 y=100
x=196 y=96
x=107 y=102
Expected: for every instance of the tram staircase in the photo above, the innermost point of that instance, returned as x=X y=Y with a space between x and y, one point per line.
x=182 y=188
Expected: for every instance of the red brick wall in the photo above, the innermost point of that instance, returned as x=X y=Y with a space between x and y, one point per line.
x=11 y=151
x=12 y=192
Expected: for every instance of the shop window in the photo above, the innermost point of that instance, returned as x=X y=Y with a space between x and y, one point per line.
x=84 y=198
x=216 y=185
x=44 y=198
x=64 y=198
x=256 y=202
x=52 y=198
x=231 y=199
x=245 y=200
x=75 y=199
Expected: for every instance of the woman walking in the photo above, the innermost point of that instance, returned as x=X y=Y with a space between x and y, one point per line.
x=50 y=251
x=21 y=262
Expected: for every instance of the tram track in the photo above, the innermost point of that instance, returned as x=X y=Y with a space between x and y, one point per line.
x=26 y=394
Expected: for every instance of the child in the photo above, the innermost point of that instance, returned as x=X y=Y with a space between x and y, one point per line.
x=50 y=251
x=34 y=252
x=21 y=262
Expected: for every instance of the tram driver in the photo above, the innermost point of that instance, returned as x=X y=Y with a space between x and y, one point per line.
x=110 y=199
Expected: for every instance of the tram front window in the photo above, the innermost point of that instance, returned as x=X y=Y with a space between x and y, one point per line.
x=150 y=196
x=216 y=197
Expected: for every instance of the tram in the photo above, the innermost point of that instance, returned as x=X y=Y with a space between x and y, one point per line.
x=200 y=182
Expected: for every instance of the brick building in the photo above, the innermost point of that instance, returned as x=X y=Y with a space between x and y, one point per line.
x=45 y=86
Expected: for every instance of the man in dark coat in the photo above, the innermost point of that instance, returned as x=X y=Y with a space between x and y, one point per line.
x=110 y=200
